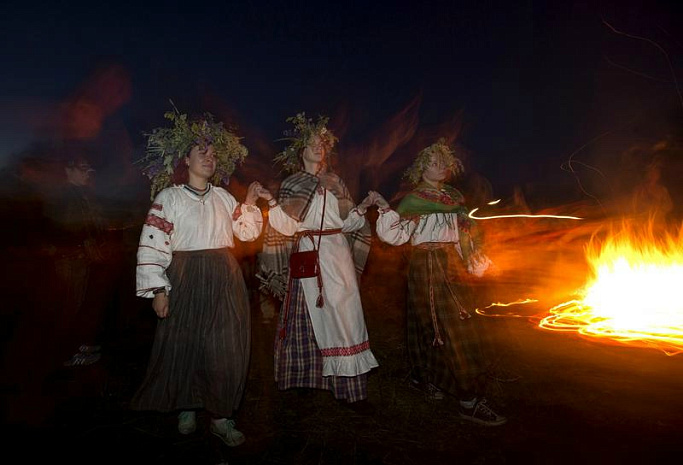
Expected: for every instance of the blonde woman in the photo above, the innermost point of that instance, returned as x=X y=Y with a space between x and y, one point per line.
x=443 y=335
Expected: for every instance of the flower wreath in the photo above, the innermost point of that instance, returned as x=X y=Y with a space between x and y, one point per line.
x=299 y=137
x=166 y=147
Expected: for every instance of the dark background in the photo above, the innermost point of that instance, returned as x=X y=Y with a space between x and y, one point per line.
x=523 y=87
x=561 y=103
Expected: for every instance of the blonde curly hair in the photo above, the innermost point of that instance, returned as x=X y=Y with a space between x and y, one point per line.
x=443 y=153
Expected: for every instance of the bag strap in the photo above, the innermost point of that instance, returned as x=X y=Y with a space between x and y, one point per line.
x=322 y=217
x=309 y=234
x=319 y=300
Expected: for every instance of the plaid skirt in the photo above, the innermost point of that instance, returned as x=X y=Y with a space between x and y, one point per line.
x=200 y=354
x=298 y=360
x=444 y=335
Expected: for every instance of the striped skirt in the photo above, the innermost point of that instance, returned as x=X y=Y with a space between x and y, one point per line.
x=200 y=354
x=444 y=334
x=298 y=360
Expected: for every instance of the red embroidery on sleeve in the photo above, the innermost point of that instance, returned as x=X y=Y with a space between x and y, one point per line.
x=159 y=223
x=157 y=206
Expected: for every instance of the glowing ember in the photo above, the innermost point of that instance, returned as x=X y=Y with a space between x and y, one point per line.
x=634 y=296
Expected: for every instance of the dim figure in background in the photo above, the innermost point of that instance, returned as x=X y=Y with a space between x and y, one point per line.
x=444 y=339
x=78 y=247
x=651 y=199
x=321 y=338
x=200 y=354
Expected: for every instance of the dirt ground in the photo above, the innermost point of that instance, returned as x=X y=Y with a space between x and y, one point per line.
x=568 y=399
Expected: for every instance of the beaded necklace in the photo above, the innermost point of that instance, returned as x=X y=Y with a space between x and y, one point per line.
x=196 y=191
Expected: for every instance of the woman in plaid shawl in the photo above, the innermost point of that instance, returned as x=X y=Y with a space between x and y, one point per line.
x=443 y=336
x=322 y=341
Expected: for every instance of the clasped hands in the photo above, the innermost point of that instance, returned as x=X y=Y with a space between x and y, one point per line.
x=373 y=198
x=256 y=191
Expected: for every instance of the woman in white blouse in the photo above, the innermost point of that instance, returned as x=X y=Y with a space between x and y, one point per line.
x=200 y=354
x=443 y=336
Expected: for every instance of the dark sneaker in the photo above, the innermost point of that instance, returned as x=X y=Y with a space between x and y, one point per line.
x=430 y=391
x=482 y=414
x=88 y=349
x=433 y=392
x=81 y=359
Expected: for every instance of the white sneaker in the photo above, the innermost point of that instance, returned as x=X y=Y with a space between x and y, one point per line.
x=187 y=422
x=225 y=429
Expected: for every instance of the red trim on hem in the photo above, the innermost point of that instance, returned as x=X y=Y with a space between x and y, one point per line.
x=345 y=351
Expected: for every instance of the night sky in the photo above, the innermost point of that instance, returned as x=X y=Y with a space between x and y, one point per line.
x=522 y=86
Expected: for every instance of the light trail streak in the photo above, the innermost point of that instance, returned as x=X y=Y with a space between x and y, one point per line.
x=562 y=217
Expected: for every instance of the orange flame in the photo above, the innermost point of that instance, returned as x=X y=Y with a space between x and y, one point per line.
x=633 y=296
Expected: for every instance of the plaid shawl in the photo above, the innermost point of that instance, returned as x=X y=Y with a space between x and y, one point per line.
x=294 y=197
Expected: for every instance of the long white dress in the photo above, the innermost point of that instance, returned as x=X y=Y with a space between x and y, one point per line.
x=339 y=326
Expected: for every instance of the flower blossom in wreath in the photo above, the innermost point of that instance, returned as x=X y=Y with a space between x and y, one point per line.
x=300 y=136
x=444 y=154
x=167 y=146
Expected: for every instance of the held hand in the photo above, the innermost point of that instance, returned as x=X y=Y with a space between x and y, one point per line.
x=366 y=203
x=252 y=193
x=265 y=194
x=478 y=264
x=160 y=305
x=380 y=201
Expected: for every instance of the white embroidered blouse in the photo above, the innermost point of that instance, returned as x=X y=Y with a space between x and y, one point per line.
x=181 y=220
x=434 y=227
